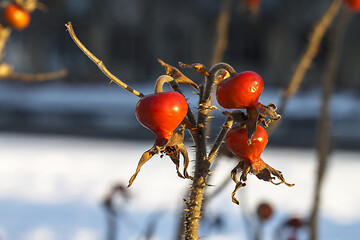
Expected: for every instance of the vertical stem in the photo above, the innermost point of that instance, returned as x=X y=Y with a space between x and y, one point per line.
x=336 y=40
x=202 y=162
x=111 y=226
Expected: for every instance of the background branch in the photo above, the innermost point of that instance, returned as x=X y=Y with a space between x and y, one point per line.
x=38 y=77
x=311 y=51
x=330 y=73
x=222 y=29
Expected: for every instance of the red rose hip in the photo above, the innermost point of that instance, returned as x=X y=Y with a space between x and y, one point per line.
x=236 y=141
x=161 y=113
x=241 y=91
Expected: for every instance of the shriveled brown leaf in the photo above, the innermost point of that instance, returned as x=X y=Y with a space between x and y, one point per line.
x=198 y=67
x=177 y=75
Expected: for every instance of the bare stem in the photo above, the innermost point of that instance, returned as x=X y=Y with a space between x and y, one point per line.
x=100 y=64
x=311 y=51
x=161 y=81
x=215 y=148
x=336 y=42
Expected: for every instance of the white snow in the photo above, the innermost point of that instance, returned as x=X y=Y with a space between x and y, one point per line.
x=53 y=170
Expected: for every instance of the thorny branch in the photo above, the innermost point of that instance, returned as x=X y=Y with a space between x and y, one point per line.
x=100 y=64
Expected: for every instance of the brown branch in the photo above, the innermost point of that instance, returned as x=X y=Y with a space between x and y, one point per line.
x=311 y=51
x=39 y=77
x=222 y=29
x=100 y=64
x=202 y=162
x=215 y=148
x=336 y=42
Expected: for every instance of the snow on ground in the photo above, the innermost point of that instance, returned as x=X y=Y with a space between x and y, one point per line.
x=51 y=185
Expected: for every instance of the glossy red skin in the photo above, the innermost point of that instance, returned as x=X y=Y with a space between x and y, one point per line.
x=353 y=5
x=16 y=17
x=161 y=113
x=241 y=91
x=236 y=142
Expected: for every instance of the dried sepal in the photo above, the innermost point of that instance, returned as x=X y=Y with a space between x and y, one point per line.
x=198 y=67
x=173 y=148
x=144 y=158
x=268 y=111
x=244 y=167
x=177 y=75
x=252 y=120
x=259 y=168
x=237 y=115
x=263 y=114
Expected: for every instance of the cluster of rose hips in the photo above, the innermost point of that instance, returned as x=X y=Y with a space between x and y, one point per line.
x=162 y=112
x=248 y=139
x=16 y=16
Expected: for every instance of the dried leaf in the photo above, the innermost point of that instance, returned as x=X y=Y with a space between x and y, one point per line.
x=177 y=75
x=198 y=67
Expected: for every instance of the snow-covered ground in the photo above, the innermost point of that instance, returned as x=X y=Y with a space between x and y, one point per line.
x=51 y=188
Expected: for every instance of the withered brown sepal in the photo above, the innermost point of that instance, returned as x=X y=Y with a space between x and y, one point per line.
x=173 y=148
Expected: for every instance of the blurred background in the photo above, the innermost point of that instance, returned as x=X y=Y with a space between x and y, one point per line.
x=65 y=142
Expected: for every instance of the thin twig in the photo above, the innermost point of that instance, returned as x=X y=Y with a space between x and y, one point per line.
x=336 y=42
x=311 y=51
x=215 y=148
x=100 y=64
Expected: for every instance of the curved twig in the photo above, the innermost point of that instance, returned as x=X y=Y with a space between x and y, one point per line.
x=99 y=63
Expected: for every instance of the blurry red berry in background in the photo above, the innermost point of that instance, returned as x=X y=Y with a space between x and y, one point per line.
x=264 y=211
x=16 y=17
x=353 y=5
x=253 y=3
